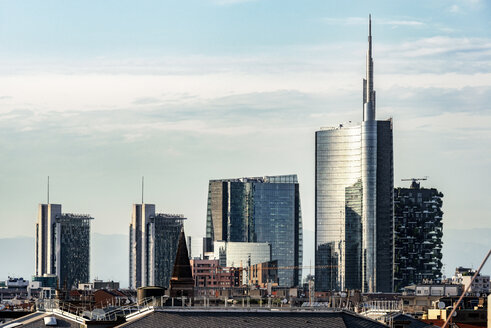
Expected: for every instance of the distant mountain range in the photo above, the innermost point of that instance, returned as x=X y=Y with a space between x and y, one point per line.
x=109 y=254
x=109 y=257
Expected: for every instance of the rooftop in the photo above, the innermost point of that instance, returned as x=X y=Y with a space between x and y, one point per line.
x=251 y=318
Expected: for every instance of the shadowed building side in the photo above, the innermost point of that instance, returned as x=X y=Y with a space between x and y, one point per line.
x=182 y=282
x=385 y=207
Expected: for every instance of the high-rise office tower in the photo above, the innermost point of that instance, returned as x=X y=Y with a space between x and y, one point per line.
x=63 y=245
x=418 y=235
x=153 y=245
x=354 y=200
x=261 y=209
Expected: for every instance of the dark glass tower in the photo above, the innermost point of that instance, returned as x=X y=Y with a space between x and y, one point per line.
x=265 y=209
x=354 y=200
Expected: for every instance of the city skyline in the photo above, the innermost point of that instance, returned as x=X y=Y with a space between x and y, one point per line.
x=229 y=88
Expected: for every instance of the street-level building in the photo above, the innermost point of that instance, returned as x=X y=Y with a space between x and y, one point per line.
x=209 y=273
x=480 y=285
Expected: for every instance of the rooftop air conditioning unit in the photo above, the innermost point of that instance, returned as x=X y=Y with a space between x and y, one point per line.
x=50 y=321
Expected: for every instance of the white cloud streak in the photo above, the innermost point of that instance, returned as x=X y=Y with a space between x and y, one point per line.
x=379 y=21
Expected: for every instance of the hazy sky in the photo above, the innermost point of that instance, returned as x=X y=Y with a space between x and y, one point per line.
x=96 y=94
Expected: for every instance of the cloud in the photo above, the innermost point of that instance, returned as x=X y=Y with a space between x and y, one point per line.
x=454 y=9
x=229 y=2
x=346 y=21
x=146 y=101
x=378 y=21
x=465 y=6
x=402 y=23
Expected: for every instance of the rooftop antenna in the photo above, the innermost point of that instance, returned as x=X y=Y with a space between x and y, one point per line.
x=48 y=189
x=369 y=25
x=143 y=182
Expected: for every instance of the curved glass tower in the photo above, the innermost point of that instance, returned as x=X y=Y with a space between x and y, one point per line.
x=354 y=200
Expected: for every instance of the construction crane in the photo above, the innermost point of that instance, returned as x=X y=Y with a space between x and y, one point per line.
x=414 y=184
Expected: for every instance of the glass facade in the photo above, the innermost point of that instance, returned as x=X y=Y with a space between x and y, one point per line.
x=62 y=246
x=265 y=209
x=242 y=254
x=164 y=239
x=385 y=208
x=369 y=211
x=153 y=245
x=275 y=205
x=338 y=168
x=341 y=229
x=353 y=235
x=354 y=200
x=73 y=242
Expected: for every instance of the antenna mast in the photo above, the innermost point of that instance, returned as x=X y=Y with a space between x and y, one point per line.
x=48 y=189
x=143 y=182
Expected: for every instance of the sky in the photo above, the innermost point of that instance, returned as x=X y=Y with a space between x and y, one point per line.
x=97 y=94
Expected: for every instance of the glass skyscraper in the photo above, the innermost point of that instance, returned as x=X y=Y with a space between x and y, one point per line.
x=154 y=239
x=354 y=200
x=63 y=245
x=265 y=210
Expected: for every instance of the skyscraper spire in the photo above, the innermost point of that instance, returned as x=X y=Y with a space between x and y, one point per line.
x=368 y=92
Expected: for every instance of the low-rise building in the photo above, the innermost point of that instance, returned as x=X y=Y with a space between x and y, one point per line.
x=17 y=283
x=420 y=298
x=99 y=284
x=208 y=273
x=14 y=288
x=480 y=285
x=438 y=290
x=262 y=274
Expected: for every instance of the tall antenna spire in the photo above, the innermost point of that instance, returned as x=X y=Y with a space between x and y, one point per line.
x=143 y=181
x=48 y=189
x=370 y=27
x=368 y=92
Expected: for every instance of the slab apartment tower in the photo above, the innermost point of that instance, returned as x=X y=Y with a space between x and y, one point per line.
x=63 y=245
x=354 y=200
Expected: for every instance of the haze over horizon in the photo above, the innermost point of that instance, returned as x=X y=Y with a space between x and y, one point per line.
x=97 y=94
